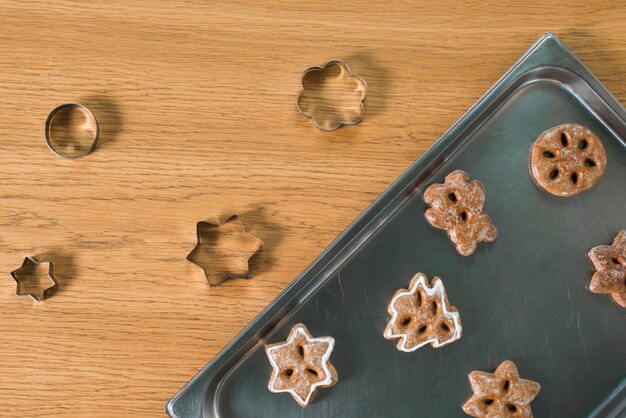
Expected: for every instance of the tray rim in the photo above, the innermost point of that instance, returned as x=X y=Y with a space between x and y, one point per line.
x=564 y=57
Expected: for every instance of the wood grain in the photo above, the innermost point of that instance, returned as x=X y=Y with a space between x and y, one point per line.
x=196 y=102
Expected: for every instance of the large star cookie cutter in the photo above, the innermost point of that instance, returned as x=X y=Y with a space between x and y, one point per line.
x=19 y=275
x=301 y=365
x=422 y=315
x=332 y=95
x=224 y=250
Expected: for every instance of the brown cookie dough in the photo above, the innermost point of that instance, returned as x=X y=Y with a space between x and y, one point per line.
x=610 y=264
x=457 y=207
x=501 y=394
x=301 y=365
x=422 y=315
x=567 y=159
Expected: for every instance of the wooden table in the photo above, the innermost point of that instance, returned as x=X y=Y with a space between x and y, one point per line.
x=197 y=107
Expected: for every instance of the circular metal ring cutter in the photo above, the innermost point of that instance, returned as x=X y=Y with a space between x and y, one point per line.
x=63 y=116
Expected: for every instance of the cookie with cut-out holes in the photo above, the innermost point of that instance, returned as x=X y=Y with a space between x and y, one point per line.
x=457 y=207
x=501 y=394
x=567 y=159
x=609 y=262
x=422 y=315
x=301 y=365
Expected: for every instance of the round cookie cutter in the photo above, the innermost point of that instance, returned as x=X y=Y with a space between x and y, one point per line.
x=66 y=109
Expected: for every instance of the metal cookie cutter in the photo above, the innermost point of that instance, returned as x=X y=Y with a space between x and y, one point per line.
x=332 y=95
x=27 y=266
x=224 y=250
x=65 y=125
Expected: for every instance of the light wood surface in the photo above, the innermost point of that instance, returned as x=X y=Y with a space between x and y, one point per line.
x=196 y=102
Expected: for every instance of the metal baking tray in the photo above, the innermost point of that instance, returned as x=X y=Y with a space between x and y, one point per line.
x=522 y=297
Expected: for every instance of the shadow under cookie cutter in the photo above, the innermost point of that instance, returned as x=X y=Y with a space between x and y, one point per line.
x=64 y=110
x=26 y=265
x=335 y=115
x=223 y=262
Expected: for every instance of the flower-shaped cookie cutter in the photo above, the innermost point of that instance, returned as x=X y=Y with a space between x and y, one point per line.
x=28 y=264
x=230 y=259
x=329 y=113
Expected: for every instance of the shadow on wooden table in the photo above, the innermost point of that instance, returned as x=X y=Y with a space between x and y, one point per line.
x=63 y=268
x=258 y=223
x=377 y=78
x=109 y=117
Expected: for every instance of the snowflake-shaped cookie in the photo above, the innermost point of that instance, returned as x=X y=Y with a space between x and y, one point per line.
x=610 y=264
x=501 y=394
x=301 y=365
x=457 y=207
x=422 y=315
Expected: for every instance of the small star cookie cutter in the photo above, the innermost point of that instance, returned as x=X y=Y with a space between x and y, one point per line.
x=28 y=264
x=329 y=115
x=301 y=365
x=221 y=263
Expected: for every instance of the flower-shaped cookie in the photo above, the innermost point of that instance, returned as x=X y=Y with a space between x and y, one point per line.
x=501 y=394
x=610 y=264
x=301 y=365
x=422 y=315
x=457 y=207
x=332 y=96
x=567 y=160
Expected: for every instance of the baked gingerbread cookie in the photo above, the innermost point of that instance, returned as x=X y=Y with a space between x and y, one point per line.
x=457 y=207
x=421 y=315
x=301 y=365
x=609 y=262
x=567 y=160
x=501 y=394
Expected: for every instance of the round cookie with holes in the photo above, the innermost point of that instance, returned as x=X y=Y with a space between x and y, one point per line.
x=567 y=160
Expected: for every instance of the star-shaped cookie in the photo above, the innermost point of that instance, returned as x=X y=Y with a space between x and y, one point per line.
x=26 y=272
x=422 y=315
x=224 y=250
x=301 y=365
x=501 y=394
x=610 y=264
